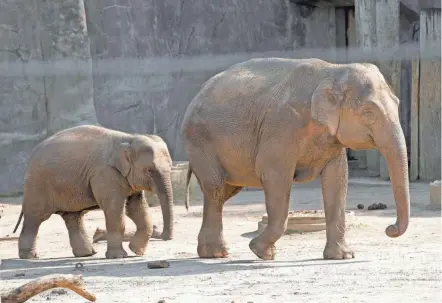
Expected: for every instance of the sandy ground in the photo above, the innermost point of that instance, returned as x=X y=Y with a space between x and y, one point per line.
x=406 y=269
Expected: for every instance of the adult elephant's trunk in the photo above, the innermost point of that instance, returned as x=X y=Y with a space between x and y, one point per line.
x=394 y=149
x=163 y=185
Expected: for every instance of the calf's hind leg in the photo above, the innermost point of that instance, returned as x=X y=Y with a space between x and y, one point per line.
x=80 y=242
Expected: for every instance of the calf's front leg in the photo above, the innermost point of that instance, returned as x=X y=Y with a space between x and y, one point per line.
x=138 y=210
x=334 y=178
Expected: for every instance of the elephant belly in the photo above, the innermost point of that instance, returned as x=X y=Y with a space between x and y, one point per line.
x=71 y=196
x=238 y=161
x=306 y=174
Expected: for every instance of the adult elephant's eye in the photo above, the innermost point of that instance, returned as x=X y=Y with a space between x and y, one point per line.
x=147 y=171
x=368 y=116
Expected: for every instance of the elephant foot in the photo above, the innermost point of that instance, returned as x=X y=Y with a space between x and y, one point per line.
x=338 y=251
x=212 y=251
x=261 y=250
x=165 y=235
x=136 y=249
x=156 y=233
x=116 y=253
x=84 y=252
x=28 y=254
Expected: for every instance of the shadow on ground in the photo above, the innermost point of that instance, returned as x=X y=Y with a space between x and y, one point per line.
x=137 y=266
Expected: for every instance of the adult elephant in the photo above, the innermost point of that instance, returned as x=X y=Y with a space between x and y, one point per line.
x=89 y=167
x=268 y=122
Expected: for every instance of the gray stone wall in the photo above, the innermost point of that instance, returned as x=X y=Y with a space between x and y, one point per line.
x=33 y=106
x=156 y=103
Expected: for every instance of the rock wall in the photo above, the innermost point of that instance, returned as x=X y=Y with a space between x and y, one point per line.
x=156 y=103
x=33 y=107
x=93 y=31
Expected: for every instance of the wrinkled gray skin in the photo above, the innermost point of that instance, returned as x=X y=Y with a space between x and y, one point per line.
x=269 y=122
x=89 y=167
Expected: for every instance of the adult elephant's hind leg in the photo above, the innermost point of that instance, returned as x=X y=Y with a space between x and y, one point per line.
x=211 y=242
x=80 y=242
x=334 y=178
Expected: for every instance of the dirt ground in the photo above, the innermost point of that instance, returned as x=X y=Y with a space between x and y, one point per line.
x=406 y=269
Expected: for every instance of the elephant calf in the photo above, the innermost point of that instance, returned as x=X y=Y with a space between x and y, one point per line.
x=266 y=122
x=89 y=167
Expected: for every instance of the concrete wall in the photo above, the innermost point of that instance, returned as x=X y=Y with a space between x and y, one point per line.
x=32 y=107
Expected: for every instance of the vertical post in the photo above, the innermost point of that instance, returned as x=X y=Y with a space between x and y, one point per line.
x=352 y=43
x=430 y=95
x=414 y=121
x=341 y=55
x=387 y=38
x=365 y=13
x=320 y=31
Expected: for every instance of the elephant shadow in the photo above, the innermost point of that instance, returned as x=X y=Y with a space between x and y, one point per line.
x=16 y=269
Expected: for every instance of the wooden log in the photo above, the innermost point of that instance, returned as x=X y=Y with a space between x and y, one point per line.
x=100 y=235
x=387 y=38
x=33 y=288
x=430 y=95
x=8 y=238
x=414 y=121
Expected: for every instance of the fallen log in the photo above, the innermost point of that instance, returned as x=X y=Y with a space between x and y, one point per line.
x=33 y=288
x=100 y=235
x=8 y=238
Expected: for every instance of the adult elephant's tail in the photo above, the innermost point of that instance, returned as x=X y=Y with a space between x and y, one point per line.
x=18 y=222
x=189 y=175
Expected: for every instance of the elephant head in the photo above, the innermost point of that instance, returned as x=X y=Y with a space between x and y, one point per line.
x=358 y=107
x=146 y=164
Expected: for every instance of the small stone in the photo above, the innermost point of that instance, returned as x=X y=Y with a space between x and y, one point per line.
x=158 y=264
x=79 y=265
x=360 y=206
x=60 y=291
x=162 y=301
x=370 y=207
x=22 y=274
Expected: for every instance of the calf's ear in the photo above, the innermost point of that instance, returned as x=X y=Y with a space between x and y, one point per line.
x=120 y=158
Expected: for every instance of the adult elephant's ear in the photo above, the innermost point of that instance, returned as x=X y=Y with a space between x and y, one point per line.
x=326 y=103
x=120 y=158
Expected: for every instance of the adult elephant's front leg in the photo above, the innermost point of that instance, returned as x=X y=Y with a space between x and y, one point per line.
x=334 y=180
x=277 y=182
x=138 y=211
